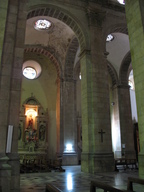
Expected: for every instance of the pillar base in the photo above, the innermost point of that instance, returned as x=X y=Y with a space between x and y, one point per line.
x=5 y=173
x=70 y=159
x=141 y=165
x=97 y=162
x=15 y=171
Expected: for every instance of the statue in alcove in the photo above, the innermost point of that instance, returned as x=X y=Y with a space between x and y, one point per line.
x=42 y=132
x=30 y=131
x=33 y=120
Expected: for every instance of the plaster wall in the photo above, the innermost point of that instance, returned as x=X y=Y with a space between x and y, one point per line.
x=44 y=89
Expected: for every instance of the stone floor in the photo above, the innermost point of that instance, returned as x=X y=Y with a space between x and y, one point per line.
x=73 y=180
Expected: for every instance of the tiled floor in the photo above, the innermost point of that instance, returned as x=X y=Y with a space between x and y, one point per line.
x=73 y=180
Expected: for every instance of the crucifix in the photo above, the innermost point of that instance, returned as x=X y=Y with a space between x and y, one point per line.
x=101 y=132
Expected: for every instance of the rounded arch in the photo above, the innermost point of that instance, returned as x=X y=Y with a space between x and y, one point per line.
x=112 y=73
x=124 y=69
x=70 y=58
x=64 y=16
x=116 y=28
x=46 y=53
x=77 y=70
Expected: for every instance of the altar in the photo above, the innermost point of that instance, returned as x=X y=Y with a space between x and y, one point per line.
x=33 y=130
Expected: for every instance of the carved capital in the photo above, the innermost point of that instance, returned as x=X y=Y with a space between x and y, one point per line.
x=96 y=17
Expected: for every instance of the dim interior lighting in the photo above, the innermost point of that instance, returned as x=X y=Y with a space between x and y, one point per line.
x=31 y=112
x=69 y=147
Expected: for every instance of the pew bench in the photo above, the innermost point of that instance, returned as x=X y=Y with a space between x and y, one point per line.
x=107 y=188
x=125 y=163
x=52 y=188
x=132 y=180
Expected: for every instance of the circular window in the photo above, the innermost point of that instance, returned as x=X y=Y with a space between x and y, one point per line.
x=109 y=38
x=29 y=73
x=42 y=24
x=121 y=2
x=31 y=69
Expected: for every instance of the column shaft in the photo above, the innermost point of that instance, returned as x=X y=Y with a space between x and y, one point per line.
x=127 y=139
x=69 y=123
x=135 y=23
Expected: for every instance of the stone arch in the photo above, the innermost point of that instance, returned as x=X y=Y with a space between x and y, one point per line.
x=62 y=15
x=112 y=74
x=31 y=101
x=121 y=28
x=111 y=71
x=116 y=28
x=77 y=70
x=70 y=58
x=48 y=54
x=124 y=69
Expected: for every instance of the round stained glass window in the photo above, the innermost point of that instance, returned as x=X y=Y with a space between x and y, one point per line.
x=29 y=73
x=42 y=24
x=121 y=2
x=109 y=38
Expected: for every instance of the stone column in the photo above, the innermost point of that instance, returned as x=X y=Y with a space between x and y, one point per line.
x=97 y=155
x=115 y=123
x=3 y=16
x=126 y=125
x=69 y=123
x=10 y=90
x=59 y=117
x=135 y=23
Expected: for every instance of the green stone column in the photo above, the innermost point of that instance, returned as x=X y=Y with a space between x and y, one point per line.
x=135 y=23
x=126 y=125
x=69 y=123
x=97 y=155
x=59 y=117
x=3 y=17
x=5 y=168
x=10 y=90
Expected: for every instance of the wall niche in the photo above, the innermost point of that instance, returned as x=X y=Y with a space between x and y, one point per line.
x=33 y=129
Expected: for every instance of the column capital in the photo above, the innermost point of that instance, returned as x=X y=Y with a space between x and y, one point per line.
x=95 y=16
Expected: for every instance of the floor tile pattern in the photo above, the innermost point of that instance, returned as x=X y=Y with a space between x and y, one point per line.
x=73 y=180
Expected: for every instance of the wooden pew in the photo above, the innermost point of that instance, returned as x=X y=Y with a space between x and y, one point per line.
x=52 y=188
x=132 y=180
x=125 y=163
x=107 y=188
x=120 y=161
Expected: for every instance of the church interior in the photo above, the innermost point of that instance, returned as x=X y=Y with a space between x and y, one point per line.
x=71 y=94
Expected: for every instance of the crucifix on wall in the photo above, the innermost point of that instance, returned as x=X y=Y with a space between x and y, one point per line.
x=101 y=132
